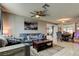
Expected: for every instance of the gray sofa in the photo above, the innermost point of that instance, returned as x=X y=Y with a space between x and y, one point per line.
x=29 y=37
x=24 y=38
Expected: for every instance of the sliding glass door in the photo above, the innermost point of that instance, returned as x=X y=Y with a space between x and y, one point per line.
x=69 y=28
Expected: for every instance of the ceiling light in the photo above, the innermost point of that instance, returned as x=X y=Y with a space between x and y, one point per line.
x=77 y=28
x=37 y=16
x=42 y=12
x=64 y=19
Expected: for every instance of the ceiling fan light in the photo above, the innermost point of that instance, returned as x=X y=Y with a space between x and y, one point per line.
x=37 y=16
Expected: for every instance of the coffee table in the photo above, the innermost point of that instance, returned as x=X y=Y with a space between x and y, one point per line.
x=42 y=44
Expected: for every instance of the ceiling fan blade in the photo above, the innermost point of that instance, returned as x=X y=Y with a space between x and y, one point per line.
x=45 y=6
x=33 y=16
x=41 y=12
x=36 y=11
x=47 y=15
x=32 y=13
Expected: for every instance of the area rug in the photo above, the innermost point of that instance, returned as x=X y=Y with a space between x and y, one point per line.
x=46 y=52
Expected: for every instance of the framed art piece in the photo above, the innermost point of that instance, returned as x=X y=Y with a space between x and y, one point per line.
x=30 y=25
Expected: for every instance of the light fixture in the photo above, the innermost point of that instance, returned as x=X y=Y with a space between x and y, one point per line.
x=64 y=19
x=37 y=16
x=77 y=28
x=39 y=13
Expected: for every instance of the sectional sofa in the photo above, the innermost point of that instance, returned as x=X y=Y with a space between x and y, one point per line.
x=23 y=38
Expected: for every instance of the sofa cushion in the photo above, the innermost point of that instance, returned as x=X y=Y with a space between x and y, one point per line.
x=28 y=41
x=29 y=37
x=12 y=41
x=34 y=37
x=41 y=36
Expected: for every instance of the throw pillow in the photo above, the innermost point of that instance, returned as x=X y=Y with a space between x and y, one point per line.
x=28 y=37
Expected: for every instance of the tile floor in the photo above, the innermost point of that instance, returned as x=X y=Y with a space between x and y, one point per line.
x=70 y=49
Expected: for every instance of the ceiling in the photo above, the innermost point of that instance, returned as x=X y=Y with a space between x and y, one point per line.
x=56 y=10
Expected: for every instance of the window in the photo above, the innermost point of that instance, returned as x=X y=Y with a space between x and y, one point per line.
x=68 y=28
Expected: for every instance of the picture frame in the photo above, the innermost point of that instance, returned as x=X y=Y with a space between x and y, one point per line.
x=30 y=25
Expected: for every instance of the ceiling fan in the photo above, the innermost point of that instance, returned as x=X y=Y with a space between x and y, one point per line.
x=41 y=12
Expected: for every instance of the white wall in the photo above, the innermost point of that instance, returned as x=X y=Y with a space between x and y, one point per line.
x=55 y=34
x=72 y=26
x=17 y=25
